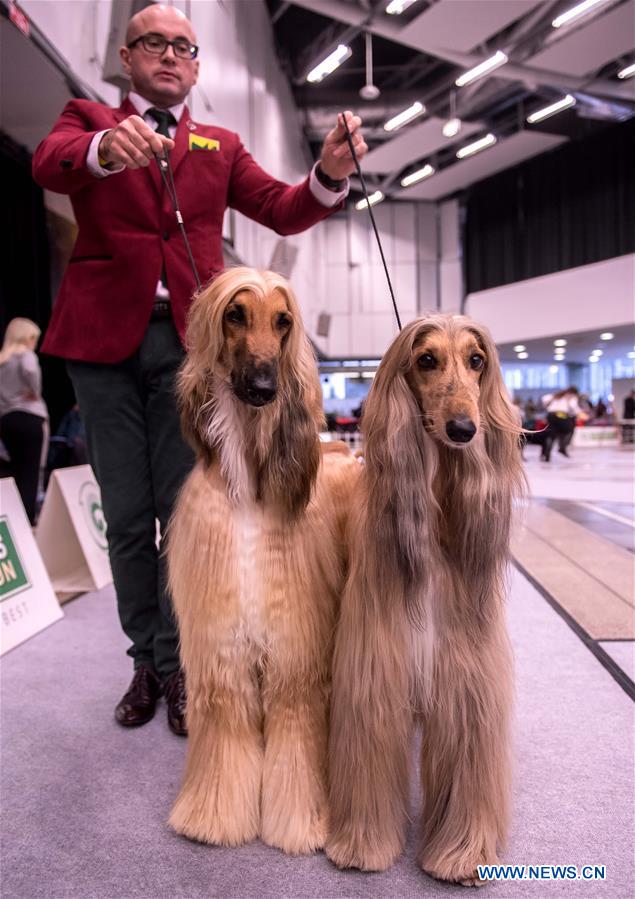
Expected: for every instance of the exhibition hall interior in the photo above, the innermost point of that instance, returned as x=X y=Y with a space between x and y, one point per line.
x=342 y=474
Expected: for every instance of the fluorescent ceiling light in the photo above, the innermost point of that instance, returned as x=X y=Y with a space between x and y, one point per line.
x=631 y=355
x=523 y=355
x=560 y=342
x=594 y=358
x=541 y=114
x=597 y=352
x=494 y=62
x=407 y=115
x=488 y=141
x=419 y=175
x=377 y=197
x=328 y=65
x=396 y=7
x=581 y=9
x=606 y=335
x=553 y=369
x=519 y=348
x=628 y=72
x=451 y=128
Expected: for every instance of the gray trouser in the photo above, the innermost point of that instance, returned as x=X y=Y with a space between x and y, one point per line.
x=140 y=461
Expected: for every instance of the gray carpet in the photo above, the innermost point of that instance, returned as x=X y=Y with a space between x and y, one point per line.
x=84 y=802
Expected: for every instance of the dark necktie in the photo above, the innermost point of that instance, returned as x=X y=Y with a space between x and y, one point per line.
x=163 y=118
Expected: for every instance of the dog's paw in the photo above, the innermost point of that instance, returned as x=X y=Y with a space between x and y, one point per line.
x=206 y=826
x=297 y=834
x=348 y=851
x=456 y=867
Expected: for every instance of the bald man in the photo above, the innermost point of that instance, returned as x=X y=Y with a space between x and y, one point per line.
x=119 y=318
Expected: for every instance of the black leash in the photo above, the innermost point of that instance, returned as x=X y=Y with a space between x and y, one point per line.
x=372 y=217
x=168 y=182
x=164 y=166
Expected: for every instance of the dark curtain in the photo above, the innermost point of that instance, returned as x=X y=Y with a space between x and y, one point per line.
x=570 y=207
x=25 y=264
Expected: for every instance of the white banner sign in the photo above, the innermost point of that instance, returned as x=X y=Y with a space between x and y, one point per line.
x=71 y=532
x=27 y=601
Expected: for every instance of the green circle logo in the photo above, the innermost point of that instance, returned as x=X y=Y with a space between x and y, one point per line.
x=90 y=501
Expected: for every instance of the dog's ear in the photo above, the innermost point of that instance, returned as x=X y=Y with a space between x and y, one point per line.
x=502 y=424
x=400 y=465
x=192 y=395
x=203 y=338
x=288 y=472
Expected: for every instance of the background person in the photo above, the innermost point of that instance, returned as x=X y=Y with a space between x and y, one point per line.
x=562 y=414
x=628 y=431
x=23 y=412
x=124 y=298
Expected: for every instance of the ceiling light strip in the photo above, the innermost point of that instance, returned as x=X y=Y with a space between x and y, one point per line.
x=628 y=72
x=396 y=7
x=547 y=111
x=488 y=141
x=581 y=9
x=419 y=175
x=374 y=198
x=494 y=62
x=412 y=112
x=333 y=61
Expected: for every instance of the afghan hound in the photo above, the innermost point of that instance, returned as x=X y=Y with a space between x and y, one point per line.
x=256 y=569
x=421 y=637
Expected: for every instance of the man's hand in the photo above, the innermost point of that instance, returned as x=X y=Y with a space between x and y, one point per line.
x=132 y=143
x=336 y=160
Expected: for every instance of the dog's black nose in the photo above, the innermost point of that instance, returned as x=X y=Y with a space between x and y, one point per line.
x=262 y=385
x=461 y=429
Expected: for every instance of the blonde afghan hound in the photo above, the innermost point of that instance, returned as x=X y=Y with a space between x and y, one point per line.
x=422 y=636
x=256 y=569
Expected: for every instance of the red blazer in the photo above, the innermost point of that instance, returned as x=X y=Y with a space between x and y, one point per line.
x=128 y=230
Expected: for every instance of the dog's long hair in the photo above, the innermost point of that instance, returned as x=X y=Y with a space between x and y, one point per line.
x=422 y=629
x=279 y=440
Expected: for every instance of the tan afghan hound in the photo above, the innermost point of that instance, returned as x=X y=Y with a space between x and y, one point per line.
x=256 y=567
x=422 y=636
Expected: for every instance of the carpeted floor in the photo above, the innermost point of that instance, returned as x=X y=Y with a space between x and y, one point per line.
x=84 y=802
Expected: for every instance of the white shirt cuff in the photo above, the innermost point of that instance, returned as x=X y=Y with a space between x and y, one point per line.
x=92 y=159
x=322 y=194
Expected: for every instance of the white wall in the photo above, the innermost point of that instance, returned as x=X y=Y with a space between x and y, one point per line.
x=357 y=294
x=597 y=296
x=78 y=29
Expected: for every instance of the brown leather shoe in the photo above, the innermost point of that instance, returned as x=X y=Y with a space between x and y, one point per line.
x=175 y=697
x=138 y=705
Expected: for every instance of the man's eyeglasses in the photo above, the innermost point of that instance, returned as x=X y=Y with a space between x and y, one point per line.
x=157 y=44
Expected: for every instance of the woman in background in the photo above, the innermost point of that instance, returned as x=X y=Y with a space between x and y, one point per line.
x=23 y=412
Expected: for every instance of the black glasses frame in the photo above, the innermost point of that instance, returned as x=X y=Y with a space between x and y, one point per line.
x=166 y=43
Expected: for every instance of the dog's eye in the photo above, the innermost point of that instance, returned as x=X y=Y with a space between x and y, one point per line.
x=476 y=361
x=427 y=362
x=236 y=315
x=283 y=321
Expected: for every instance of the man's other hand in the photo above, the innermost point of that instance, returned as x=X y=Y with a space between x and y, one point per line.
x=336 y=160
x=132 y=143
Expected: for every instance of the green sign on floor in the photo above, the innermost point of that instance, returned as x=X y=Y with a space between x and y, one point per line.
x=13 y=577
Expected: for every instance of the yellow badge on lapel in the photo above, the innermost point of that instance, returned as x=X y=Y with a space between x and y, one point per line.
x=202 y=143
